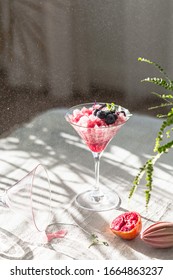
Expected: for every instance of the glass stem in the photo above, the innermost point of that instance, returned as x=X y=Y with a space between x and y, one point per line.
x=97 y=192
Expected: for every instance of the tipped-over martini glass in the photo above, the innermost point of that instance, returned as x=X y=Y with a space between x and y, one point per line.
x=31 y=198
x=96 y=137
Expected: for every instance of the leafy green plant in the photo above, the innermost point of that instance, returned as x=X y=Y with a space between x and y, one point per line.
x=163 y=140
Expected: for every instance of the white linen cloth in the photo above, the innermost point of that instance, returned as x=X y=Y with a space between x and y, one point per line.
x=49 y=140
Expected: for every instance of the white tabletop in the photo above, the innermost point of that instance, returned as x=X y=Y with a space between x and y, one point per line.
x=49 y=140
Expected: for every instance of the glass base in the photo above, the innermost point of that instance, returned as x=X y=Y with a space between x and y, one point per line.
x=107 y=201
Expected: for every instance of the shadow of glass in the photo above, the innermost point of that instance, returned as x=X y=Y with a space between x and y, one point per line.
x=71 y=169
x=12 y=247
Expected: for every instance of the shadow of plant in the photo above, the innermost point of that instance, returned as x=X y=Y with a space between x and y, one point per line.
x=49 y=139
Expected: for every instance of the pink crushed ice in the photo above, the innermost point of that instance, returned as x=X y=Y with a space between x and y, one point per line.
x=91 y=127
x=86 y=118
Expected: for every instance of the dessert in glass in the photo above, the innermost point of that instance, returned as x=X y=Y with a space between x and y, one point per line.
x=97 y=124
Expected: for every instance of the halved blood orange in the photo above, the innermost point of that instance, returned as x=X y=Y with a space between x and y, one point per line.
x=127 y=225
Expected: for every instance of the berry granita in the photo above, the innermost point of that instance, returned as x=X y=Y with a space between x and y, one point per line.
x=98 y=124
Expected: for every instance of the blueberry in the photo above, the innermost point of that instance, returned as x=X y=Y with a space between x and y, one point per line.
x=96 y=111
x=110 y=118
x=101 y=114
x=102 y=106
x=99 y=109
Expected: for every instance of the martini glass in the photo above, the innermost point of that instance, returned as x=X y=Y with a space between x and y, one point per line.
x=97 y=139
x=31 y=198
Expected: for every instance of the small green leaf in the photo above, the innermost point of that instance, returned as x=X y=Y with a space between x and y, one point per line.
x=168 y=133
x=95 y=241
x=168 y=96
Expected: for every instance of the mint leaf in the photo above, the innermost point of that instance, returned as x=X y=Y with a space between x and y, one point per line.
x=111 y=106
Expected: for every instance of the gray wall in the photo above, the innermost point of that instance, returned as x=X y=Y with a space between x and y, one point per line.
x=120 y=31
x=73 y=44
